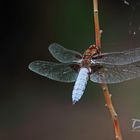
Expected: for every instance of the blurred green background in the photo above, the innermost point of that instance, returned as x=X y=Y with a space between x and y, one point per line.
x=36 y=108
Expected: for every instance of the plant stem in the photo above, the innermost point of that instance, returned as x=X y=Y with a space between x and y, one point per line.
x=104 y=86
x=112 y=111
x=96 y=24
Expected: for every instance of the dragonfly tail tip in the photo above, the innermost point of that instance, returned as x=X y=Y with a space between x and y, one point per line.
x=74 y=102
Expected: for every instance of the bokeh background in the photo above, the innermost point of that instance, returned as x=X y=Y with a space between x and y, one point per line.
x=36 y=108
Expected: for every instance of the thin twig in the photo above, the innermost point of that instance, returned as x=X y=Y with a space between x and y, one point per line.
x=112 y=111
x=104 y=86
x=96 y=24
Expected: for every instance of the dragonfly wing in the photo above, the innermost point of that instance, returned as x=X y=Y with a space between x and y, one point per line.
x=118 y=58
x=115 y=74
x=55 y=71
x=64 y=55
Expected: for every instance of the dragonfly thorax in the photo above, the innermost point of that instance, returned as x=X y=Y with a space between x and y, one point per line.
x=86 y=62
x=91 y=51
x=88 y=54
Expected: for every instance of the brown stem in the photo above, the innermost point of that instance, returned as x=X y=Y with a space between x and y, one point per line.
x=96 y=24
x=112 y=111
x=104 y=86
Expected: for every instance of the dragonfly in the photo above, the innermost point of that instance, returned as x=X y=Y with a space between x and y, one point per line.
x=108 y=68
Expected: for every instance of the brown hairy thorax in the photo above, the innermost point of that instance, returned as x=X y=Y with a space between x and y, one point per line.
x=88 y=54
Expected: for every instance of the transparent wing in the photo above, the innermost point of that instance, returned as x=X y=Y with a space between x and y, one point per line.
x=115 y=74
x=64 y=55
x=55 y=71
x=118 y=58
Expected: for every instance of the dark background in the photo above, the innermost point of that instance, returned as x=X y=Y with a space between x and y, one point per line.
x=36 y=108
